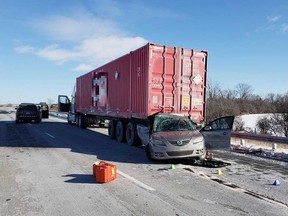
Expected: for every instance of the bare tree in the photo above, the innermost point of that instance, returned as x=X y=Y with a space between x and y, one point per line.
x=244 y=91
x=221 y=107
x=213 y=90
x=241 y=100
x=278 y=123
x=238 y=124
x=229 y=94
x=264 y=125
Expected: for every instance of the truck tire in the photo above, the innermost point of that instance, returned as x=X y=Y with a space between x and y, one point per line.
x=131 y=135
x=68 y=119
x=112 y=129
x=82 y=121
x=77 y=120
x=120 y=132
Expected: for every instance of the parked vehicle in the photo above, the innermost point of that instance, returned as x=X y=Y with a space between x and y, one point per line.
x=44 y=109
x=27 y=112
x=140 y=87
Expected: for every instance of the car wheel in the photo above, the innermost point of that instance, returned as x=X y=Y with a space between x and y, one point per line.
x=148 y=153
x=203 y=157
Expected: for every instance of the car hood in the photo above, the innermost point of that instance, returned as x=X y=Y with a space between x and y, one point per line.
x=177 y=135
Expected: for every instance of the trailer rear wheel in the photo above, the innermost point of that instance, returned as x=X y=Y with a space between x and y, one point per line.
x=112 y=129
x=77 y=120
x=131 y=135
x=82 y=122
x=120 y=132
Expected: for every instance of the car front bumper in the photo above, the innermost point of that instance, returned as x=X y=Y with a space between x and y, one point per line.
x=197 y=151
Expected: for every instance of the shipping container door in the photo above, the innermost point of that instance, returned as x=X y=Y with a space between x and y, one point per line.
x=177 y=81
x=193 y=68
x=163 y=79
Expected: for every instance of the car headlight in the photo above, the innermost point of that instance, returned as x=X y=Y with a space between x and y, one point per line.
x=198 y=140
x=158 y=142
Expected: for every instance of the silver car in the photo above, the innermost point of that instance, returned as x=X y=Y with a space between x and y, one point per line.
x=174 y=136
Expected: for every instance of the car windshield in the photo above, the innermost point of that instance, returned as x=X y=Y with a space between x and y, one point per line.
x=173 y=123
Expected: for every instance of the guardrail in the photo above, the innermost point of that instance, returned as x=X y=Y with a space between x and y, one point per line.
x=259 y=140
x=58 y=115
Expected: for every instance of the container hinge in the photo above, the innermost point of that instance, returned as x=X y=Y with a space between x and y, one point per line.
x=165 y=107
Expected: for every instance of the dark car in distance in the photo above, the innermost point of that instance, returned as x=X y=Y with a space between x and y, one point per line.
x=44 y=109
x=28 y=113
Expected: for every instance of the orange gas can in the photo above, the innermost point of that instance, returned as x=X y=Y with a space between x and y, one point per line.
x=104 y=171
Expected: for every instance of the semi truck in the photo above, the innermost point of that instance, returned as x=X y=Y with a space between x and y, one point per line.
x=153 y=82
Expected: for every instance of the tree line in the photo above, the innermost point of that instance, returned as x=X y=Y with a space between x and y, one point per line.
x=241 y=100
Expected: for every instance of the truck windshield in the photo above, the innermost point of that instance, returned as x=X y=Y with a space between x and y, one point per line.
x=173 y=123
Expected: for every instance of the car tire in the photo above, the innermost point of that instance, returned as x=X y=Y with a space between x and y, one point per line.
x=148 y=153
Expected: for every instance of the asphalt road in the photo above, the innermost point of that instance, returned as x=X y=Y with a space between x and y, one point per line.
x=46 y=169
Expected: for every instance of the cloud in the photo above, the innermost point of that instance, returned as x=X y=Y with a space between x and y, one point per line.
x=102 y=49
x=24 y=49
x=285 y=27
x=66 y=28
x=275 y=25
x=273 y=18
x=82 y=38
x=95 y=51
x=56 y=54
x=84 y=67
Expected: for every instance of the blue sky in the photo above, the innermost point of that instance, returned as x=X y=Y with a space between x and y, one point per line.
x=45 y=45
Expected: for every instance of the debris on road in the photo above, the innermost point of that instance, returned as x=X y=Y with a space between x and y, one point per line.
x=172 y=167
x=276 y=183
x=210 y=162
x=219 y=172
x=260 y=152
x=104 y=171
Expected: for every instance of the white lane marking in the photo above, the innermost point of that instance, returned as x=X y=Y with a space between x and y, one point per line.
x=141 y=184
x=50 y=135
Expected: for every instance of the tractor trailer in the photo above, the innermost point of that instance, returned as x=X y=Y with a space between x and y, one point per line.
x=153 y=82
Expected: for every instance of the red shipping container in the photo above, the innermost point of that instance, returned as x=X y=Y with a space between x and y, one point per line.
x=104 y=171
x=146 y=81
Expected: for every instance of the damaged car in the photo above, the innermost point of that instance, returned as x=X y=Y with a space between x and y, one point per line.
x=174 y=136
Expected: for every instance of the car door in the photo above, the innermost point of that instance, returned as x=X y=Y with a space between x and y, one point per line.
x=217 y=134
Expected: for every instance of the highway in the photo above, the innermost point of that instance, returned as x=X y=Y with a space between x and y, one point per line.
x=46 y=169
